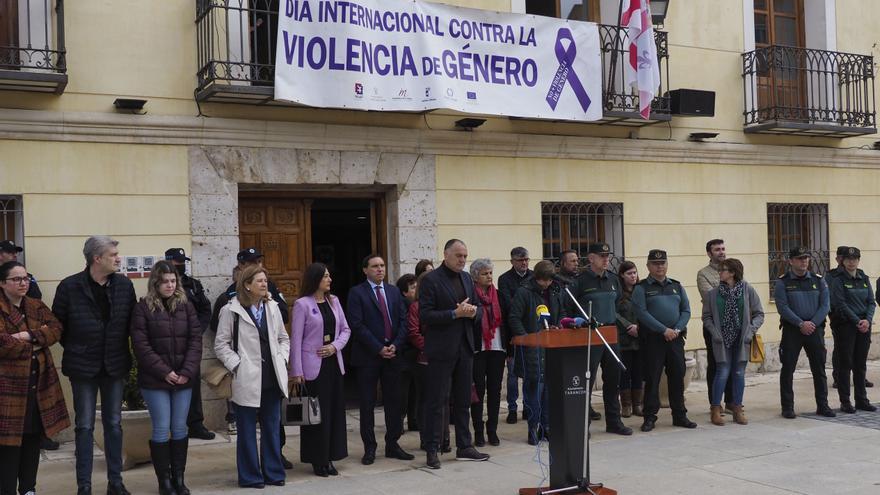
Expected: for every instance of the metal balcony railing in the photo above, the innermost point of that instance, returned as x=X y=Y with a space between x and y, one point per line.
x=32 y=52
x=621 y=101
x=802 y=91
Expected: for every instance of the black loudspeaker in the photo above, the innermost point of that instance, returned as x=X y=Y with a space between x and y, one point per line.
x=692 y=102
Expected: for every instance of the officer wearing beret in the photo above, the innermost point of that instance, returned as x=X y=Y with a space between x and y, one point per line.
x=195 y=294
x=803 y=302
x=853 y=301
x=663 y=311
x=601 y=287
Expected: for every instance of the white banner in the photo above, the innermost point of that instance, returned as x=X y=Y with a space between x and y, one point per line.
x=397 y=55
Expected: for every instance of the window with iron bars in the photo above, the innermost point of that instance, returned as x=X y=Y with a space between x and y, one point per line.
x=790 y=225
x=576 y=225
x=11 y=224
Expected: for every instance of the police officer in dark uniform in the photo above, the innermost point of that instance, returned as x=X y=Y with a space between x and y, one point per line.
x=9 y=252
x=829 y=276
x=663 y=311
x=853 y=301
x=601 y=287
x=195 y=294
x=803 y=302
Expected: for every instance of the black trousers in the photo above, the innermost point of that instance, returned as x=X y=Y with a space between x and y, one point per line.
x=19 y=465
x=445 y=378
x=319 y=444
x=710 y=371
x=610 y=380
x=196 y=415
x=410 y=395
x=368 y=377
x=421 y=376
x=789 y=352
x=631 y=379
x=657 y=355
x=835 y=364
x=851 y=347
x=488 y=372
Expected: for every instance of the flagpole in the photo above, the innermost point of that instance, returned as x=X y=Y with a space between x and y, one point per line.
x=614 y=51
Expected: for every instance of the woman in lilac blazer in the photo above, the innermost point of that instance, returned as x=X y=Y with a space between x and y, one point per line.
x=318 y=334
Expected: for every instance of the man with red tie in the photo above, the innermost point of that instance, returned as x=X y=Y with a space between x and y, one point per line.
x=377 y=317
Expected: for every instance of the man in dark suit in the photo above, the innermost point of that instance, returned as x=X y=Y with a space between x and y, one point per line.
x=377 y=317
x=449 y=309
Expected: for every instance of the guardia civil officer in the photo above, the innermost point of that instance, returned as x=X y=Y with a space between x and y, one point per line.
x=829 y=276
x=853 y=302
x=663 y=311
x=195 y=294
x=803 y=302
x=597 y=285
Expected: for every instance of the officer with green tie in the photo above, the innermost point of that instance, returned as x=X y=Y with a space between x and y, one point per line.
x=853 y=301
x=663 y=311
x=803 y=302
x=601 y=287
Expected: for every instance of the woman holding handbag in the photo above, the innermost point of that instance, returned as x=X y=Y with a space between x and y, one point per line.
x=253 y=344
x=319 y=332
x=732 y=315
x=167 y=341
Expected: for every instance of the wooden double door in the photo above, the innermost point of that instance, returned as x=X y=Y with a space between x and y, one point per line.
x=293 y=231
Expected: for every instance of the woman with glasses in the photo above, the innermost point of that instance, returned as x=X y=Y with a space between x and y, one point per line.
x=31 y=400
x=732 y=315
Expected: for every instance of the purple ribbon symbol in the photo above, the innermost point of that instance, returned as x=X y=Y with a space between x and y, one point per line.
x=565 y=72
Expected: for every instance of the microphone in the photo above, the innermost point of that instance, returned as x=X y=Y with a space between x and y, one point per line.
x=573 y=322
x=543 y=313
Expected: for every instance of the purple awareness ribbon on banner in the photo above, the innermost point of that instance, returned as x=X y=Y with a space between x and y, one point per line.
x=565 y=72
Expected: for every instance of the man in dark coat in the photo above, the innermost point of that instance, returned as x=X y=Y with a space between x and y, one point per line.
x=449 y=309
x=195 y=294
x=94 y=307
x=376 y=315
x=509 y=281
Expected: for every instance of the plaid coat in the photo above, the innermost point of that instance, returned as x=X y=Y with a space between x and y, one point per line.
x=15 y=369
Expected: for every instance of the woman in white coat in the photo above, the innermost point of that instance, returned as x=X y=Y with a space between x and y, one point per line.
x=253 y=344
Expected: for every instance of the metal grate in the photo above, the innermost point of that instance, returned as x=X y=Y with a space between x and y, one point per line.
x=575 y=225
x=790 y=225
x=619 y=98
x=805 y=91
x=27 y=38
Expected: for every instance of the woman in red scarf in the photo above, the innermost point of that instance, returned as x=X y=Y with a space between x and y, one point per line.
x=490 y=358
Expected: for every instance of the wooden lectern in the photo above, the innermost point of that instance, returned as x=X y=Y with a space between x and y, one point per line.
x=565 y=379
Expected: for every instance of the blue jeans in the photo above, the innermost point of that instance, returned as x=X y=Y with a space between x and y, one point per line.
x=735 y=370
x=536 y=403
x=512 y=386
x=168 y=412
x=246 y=455
x=85 y=396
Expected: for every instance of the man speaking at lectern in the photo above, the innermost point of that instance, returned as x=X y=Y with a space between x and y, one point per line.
x=529 y=361
x=601 y=287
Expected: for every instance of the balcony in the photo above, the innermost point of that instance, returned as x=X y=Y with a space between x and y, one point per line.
x=236 y=60
x=807 y=92
x=32 y=54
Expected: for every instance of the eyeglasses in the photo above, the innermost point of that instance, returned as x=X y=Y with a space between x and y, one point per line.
x=18 y=280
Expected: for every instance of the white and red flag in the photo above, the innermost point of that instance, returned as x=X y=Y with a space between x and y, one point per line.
x=642 y=67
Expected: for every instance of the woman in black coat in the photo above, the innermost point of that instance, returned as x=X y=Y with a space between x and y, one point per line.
x=167 y=343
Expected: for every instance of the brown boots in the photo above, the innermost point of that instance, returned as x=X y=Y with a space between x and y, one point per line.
x=716 y=416
x=626 y=405
x=739 y=416
x=637 y=401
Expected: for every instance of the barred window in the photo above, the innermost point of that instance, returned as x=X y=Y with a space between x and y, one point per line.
x=11 y=224
x=790 y=225
x=576 y=225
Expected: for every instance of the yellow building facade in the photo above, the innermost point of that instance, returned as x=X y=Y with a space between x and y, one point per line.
x=209 y=173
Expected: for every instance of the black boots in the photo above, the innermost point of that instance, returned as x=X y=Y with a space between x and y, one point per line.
x=160 y=453
x=178 y=464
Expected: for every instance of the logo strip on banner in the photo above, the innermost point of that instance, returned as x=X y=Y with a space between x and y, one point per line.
x=396 y=55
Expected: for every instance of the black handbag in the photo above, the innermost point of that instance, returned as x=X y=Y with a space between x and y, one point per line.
x=301 y=409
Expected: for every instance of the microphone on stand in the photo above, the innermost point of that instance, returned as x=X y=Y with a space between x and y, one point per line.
x=543 y=313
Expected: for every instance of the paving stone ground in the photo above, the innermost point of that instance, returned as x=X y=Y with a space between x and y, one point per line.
x=771 y=455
